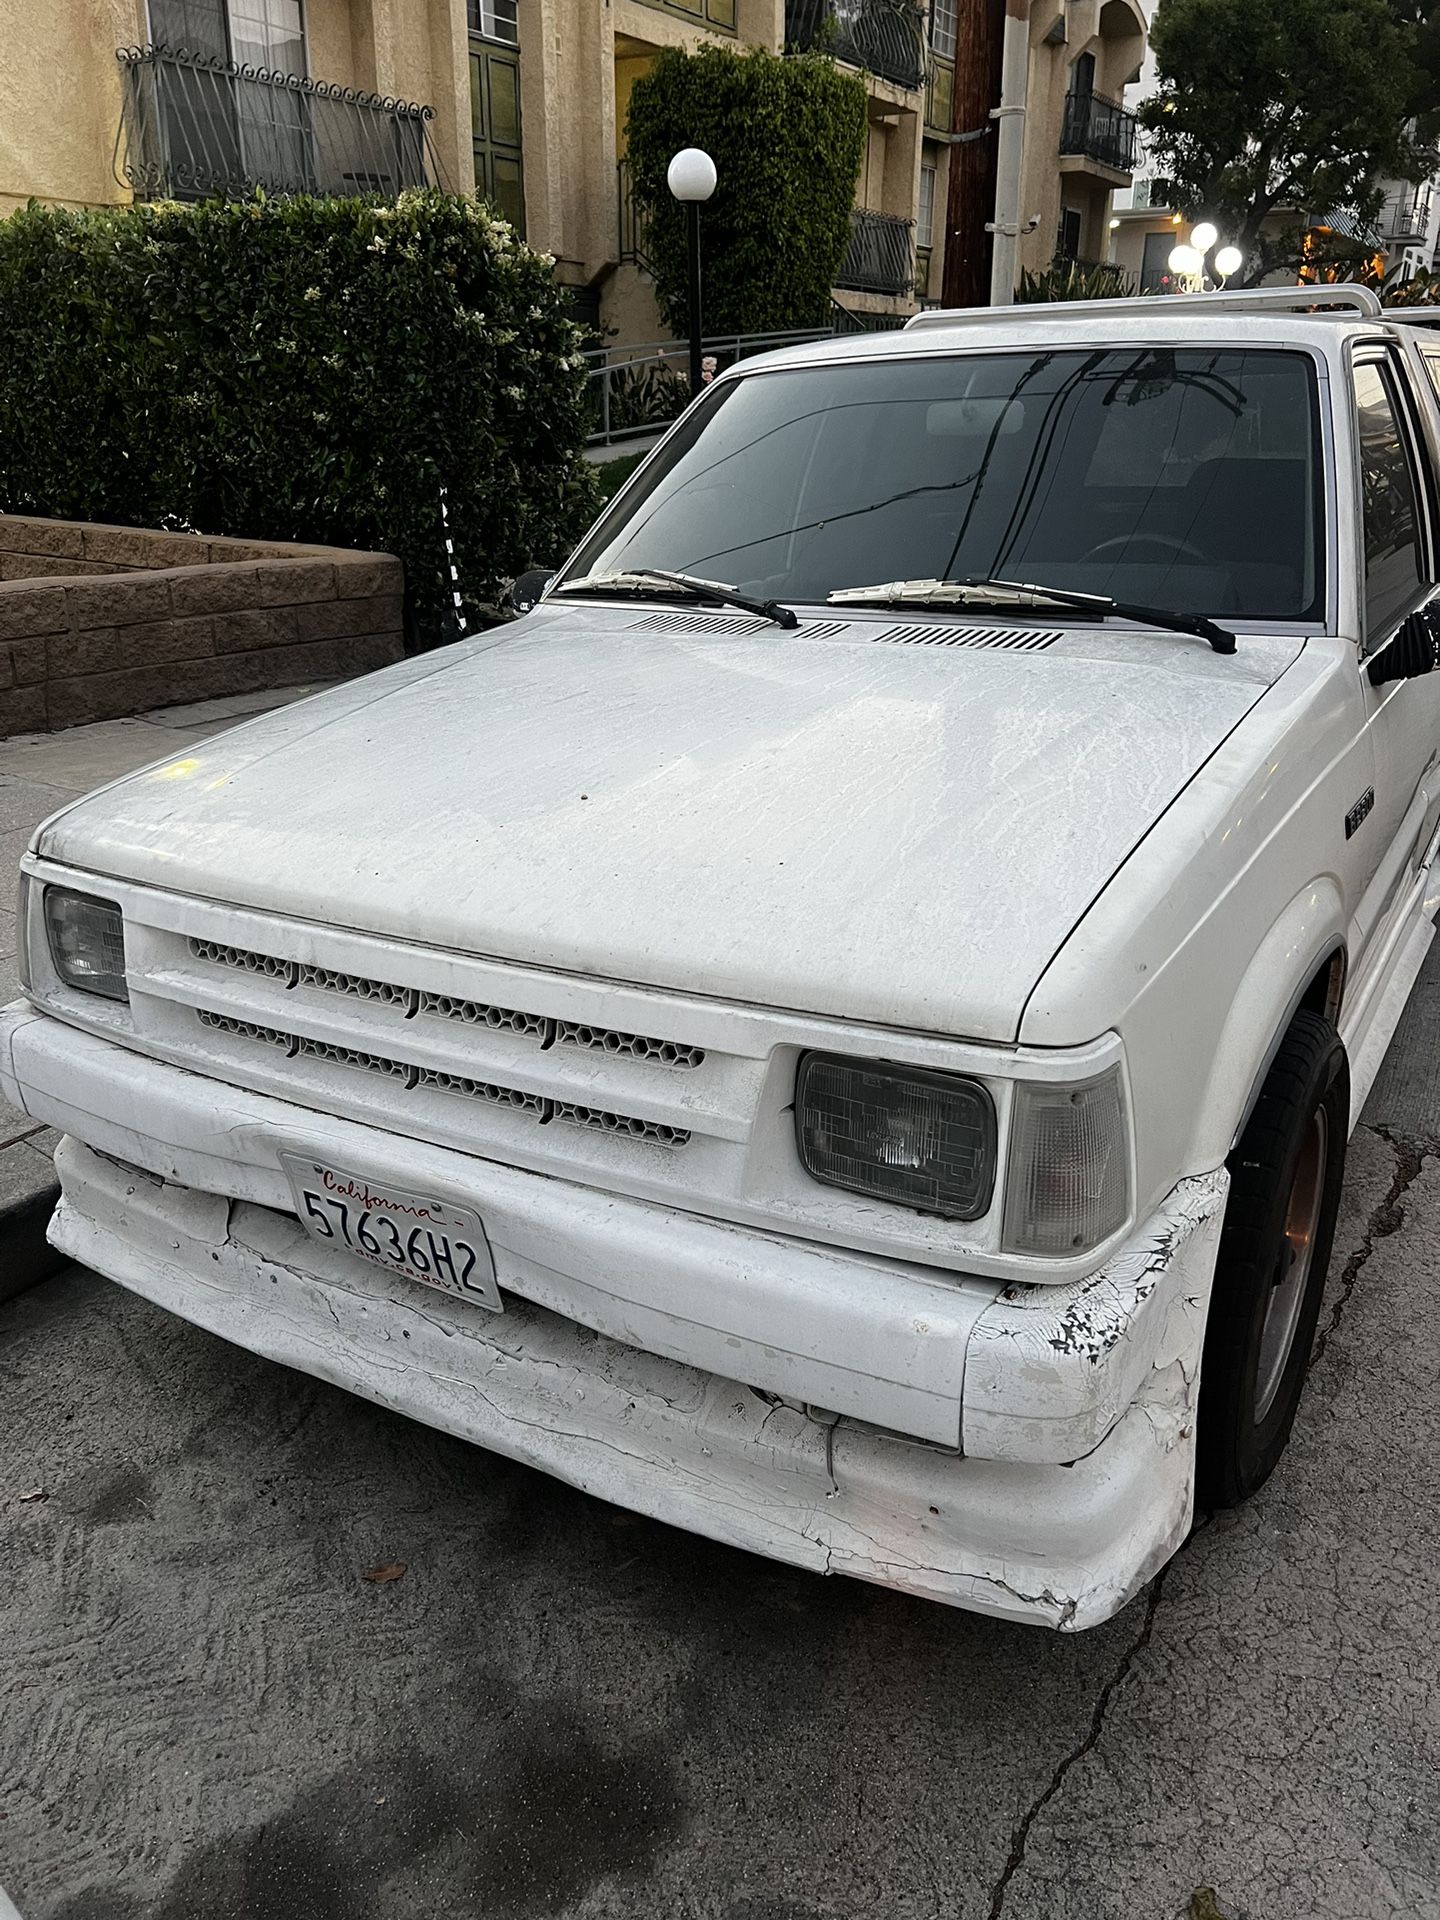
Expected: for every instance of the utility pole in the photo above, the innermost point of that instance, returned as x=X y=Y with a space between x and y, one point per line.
x=1010 y=151
x=970 y=203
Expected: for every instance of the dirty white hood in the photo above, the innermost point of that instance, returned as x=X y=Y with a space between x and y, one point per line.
x=896 y=834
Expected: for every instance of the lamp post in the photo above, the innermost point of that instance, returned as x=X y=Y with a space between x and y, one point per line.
x=691 y=178
x=1199 y=256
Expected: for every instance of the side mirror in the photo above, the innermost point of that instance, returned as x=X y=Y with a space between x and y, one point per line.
x=525 y=591
x=1414 y=650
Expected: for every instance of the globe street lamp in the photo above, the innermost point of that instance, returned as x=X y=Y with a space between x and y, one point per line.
x=1228 y=261
x=691 y=178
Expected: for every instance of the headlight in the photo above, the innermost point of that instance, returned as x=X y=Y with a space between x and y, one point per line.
x=87 y=942
x=1067 y=1177
x=925 y=1140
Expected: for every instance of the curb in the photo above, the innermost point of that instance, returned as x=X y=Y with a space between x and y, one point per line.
x=26 y=1257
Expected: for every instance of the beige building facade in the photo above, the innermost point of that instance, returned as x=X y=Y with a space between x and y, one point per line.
x=102 y=101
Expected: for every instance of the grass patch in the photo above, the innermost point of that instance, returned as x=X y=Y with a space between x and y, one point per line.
x=613 y=474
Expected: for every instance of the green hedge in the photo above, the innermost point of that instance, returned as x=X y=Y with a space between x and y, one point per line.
x=298 y=369
x=787 y=135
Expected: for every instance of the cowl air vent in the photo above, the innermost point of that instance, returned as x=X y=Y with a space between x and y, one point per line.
x=704 y=626
x=299 y=1047
x=938 y=634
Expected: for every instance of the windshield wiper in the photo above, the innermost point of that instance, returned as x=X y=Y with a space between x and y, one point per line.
x=643 y=578
x=1000 y=594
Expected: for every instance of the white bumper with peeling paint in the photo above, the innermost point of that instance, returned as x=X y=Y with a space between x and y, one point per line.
x=1074 y=1405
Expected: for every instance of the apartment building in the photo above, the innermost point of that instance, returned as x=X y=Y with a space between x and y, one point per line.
x=102 y=101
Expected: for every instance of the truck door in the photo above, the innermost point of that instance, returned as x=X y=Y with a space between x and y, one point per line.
x=1398 y=505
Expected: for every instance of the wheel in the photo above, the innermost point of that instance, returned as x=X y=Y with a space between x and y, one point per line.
x=1285 y=1176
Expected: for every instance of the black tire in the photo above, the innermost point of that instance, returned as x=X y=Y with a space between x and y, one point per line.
x=1285 y=1172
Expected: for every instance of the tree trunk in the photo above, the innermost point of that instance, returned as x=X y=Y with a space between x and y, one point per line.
x=971 y=201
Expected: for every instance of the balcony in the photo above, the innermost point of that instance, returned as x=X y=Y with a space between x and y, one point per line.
x=884 y=37
x=195 y=126
x=881 y=255
x=1405 y=221
x=1099 y=129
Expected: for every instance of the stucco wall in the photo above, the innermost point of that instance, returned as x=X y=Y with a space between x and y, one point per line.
x=60 y=98
x=1113 y=31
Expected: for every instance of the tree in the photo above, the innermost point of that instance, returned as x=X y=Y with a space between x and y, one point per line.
x=787 y=135
x=1291 y=108
x=1422 y=18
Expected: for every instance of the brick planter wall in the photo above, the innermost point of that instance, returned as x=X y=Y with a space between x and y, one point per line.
x=97 y=622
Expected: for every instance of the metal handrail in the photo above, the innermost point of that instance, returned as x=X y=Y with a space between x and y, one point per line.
x=1100 y=129
x=640 y=389
x=883 y=37
x=881 y=255
x=195 y=125
x=1410 y=218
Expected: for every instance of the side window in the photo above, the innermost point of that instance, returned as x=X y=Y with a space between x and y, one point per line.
x=1393 y=579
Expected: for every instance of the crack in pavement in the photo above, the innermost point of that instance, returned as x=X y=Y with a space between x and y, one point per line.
x=1019 y=1839
x=1385 y=1219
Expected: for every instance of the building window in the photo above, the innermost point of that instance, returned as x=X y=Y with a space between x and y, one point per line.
x=494 y=20
x=268 y=33
x=198 y=25
x=943 y=24
x=925 y=212
x=252 y=33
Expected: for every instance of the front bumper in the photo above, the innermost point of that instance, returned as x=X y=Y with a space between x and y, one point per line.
x=629 y=1327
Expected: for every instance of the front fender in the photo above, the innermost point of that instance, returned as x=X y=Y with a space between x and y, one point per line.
x=1305 y=938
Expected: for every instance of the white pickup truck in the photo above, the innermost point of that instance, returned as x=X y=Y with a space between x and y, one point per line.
x=839 y=1028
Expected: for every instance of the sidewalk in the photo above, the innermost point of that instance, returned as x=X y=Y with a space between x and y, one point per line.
x=39 y=773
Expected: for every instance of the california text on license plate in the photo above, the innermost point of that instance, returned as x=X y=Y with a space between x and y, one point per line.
x=417 y=1234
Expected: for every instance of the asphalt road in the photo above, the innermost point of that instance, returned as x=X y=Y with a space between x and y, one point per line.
x=207 y=1712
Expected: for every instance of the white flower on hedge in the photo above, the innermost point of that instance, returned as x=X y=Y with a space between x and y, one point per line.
x=312 y=293
x=379 y=244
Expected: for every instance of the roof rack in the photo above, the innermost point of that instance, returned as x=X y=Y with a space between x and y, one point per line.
x=1347 y=297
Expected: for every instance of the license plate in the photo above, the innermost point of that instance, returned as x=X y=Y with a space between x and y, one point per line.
x=414 y=1234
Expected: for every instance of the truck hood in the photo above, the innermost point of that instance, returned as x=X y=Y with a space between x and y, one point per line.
x=896 y=834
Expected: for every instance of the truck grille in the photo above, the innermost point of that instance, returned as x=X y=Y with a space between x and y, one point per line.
x=548 y=1032
x=301 y=1047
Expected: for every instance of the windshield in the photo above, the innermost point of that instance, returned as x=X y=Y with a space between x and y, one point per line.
x=1183 y=477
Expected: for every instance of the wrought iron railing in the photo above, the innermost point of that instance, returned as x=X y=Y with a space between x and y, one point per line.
x=634 y=227
x=192 y=126
x=1100 y=129
x=639 y=390
x=1406 y=221
x=881 y=255
x=885 y=37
